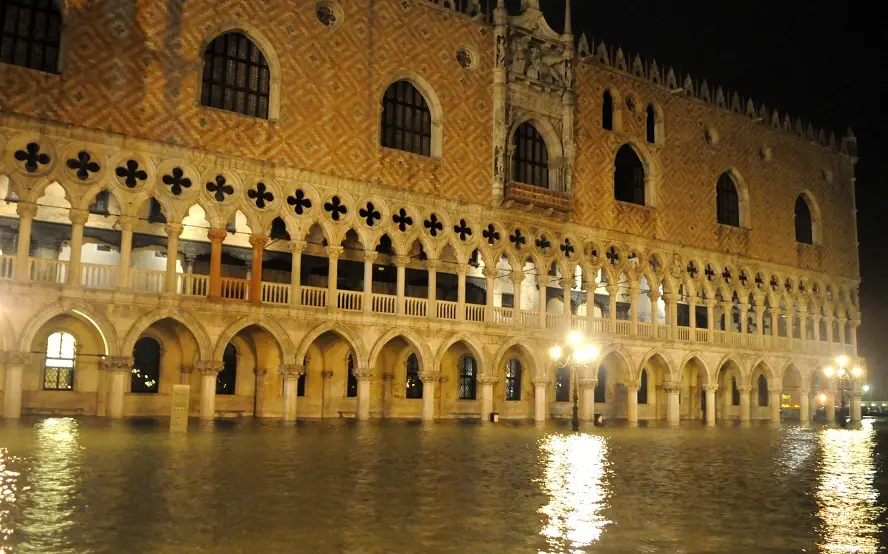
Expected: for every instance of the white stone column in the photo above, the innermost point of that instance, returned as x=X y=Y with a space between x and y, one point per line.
x=692 y=316
x=587 y=405
x=728 y=310
x=843 y=321
x=487 y=383
x=259 y=374
x=432 y=268
x=671 y=301
x=774 y=402
x=290 y=373
x=461 y=271
x=490 y=274
x=759 y=300
x=78 y=220
x=517 y=278
x=634 y=291
x=745 y=391
x=208 y=372
x=612 y=291
x=333 y=254
x=710 y=316
x=364 y=376
x=16 y=362
x=540 y=400
x=632 y=398
x=803 y=323
x=296 y=249
x=853 y=335
x=401 y=281
x=804 y=406
x=429 y=381
x=118 y=369
x=710 y=403
x=856 y=412
x=173 y=231
x=744 y=317
x=124 y=267
x=543 y=283
x=830 y=404
x=673 y=413
x=369 y=257
x=566 y=285
x=26 y=212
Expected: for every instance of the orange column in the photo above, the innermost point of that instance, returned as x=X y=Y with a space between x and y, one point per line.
x=216 y=237
x=258 y=243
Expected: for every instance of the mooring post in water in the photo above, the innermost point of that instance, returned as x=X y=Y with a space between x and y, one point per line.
x=179 y=414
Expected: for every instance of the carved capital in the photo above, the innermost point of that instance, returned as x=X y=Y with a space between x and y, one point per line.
x=588 y=383
x=388 y=377
x=462 y=269
x=26 y=210
x=540 y=381
x=543 y=280
x=16 y=359
x=401 y=261
x=127 y=222
x=173 y=229
x=491 y=272
x=117 y=363
x=488 y=379
x=78 y=217
x=370 y=256
x=217 y=235
x=744 y=388
x=334 y=252
x=297 y=246
x=363 y=373
x=429 y=376
x=260 y=371
x=291 y=371
x=326 y=374
x=710 y=388
x=671 y=387
x=258 y=241
x=433 y=265
x=209 y=367
x=517 y=277
x=775 y=390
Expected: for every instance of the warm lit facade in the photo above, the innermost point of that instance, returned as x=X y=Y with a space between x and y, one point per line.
x=394 y=210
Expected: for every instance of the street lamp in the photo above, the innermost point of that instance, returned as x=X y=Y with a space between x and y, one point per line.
x=844 y=376
x=576 y=355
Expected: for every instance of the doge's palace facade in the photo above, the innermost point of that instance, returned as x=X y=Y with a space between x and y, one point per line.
x=394 y=208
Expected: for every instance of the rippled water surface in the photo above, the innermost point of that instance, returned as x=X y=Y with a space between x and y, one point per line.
x=89 y=485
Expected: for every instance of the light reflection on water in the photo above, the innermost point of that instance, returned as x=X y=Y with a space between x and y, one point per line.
x=89 y=485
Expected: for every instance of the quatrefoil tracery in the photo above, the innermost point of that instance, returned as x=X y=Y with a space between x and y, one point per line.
x=83 y=165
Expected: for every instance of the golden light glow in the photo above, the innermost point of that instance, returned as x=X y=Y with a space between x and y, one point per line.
x=865 y=389
x=828 y=371
x=575 y=338
x=842 y=361
x=841 y=372
x=555 y=352
x=592 y=352
x=856 y=372
x=822 y=398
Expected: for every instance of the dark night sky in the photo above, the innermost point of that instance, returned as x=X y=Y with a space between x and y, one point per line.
x=822 y=65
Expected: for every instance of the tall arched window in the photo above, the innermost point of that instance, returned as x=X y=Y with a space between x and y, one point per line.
x=607 y=111
x=651 y=124
x=468 y=378
x=629 y=178
x=513 y=379
x=227 y=378
x=530 y=157
x=236 y=77
x=643 y=388
x=804 y=229
x=562 y=384
x=601 y=387
x=727 y=202
x=735 y=392
x=352 y=386
x=762 y=390
x=146 y=366
x=414 y=383
x=406 y=119
x=59 y=364
x=30 y=34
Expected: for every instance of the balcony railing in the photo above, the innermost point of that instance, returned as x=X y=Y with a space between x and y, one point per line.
x=106 y=277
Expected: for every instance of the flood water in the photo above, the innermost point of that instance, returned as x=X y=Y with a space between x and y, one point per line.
x=90 y=485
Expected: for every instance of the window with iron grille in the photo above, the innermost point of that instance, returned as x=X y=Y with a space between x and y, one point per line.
x=236 y=76
x=803 y=225
x=726 y=201
x=628 y=176
x=58 y=367
x=468 y=376
x=513 y=379
x=352 y=387
x=30 y=34
x=406 y=119
x=414 y=384
x=530 y=157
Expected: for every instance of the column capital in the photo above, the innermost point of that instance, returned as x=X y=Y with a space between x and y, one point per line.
x=517 y=277
x=429 y=376
x=744 y=388
x=588 y=383
x=635 y=290
x=127 y=222
x=544 y=280
x=258 y=240
x=491 y=272
x=78 y=217
x=488 y=379
x=401 y=261
x=433 y=265
x=215 y=234
x=710 y=388
x=388 y=377
x=186 y=369
x=612 y=289
x=297 y=246
x=15 y=358
x=777 y=390
x=370 y=255
x=668 y=297
x=209 y=367
x=291 y=370
x=326 y=374
x=334 y=252
x=671 y=387
x=173 y=229
x=462 y=269
x=540 y=381
x=363 y=373
x=709 y=302
x=260 y=371
x=26 y=209
x=116 y=363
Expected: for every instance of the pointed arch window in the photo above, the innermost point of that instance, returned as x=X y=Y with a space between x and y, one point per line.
x=414 y=383
x=804 y=228
x=352 y=386
x=227 y=378
x=607 y=111
x=31 y=33
x=643 y=388
x=468 y=378
x=406 y=119
x=530 y=157
x=629 y=176
x=762 y=390
x=562 y=384
x=513 y=379
x=727 y=201
x=60 y=362
x=651 y=124
x=236 y=77
x=146 y=366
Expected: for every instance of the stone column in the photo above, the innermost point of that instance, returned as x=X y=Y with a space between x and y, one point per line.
x=26 y=212
x=634 y=291
x=744 y=316
x=517 y=279
x=830 y=404
x=728 y=310
x=296 y=248
x=543 y=283
x=387 y=385
x=759 y=314
x=816 y=319
x=173 y=231
x=118 y=369
x=842 y=322
x=671 y=300
x=803 y=323
x=745 y=391
x=775 y=328
x=216 y=237
x=692 y=316
x=258 y=243
x=856 y=412
x=487 y=382
x=461 y=271
x=259 y=390
x=124 y=269
x=710 y=316
x=333 y=254
x=587 y=405
x=500 y=139
x=804 y=406
x=401 y=265
x=540 y=400
x=710 y=403
x=16 y=362
x=369 y=257
x=429 y=381
x=290 y=374
x=326 y=391
x=432 y=268
x=78 y=220
x=364 y=376
x=673 y=413
x=185 y=374
x=774 y=402
x=208 y=372
x=589 y=287
x=490 y=274
x=612 y=291
x=632 y=398
x=853 y=335
x=566 y=285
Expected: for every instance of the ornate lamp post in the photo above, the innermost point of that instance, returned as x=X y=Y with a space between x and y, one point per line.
x=846 y=380
x=577 y=355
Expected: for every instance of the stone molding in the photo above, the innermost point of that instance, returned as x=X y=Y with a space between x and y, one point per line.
x=429 y=376
x=117 y=363
x=588 y=383
x=487 y=379
x=291 y=370
x=206 y=368
x=363 y=374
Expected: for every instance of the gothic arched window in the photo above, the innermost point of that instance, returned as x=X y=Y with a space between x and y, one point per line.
x=236 y=76
x=727 y=202
x=513 y=379
x=468 y=378
x=607 y=111
x=804 y=228
x=30 y=34
x=406 y=119
x=651 y=124
x=530 y=157
x=146 y=366
x=643 y=389
x=762 y=390
x=414 y=383
x=227 y=378
x=352 y=386
x=562 y=384
x=58 y=367
x=629 y=177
